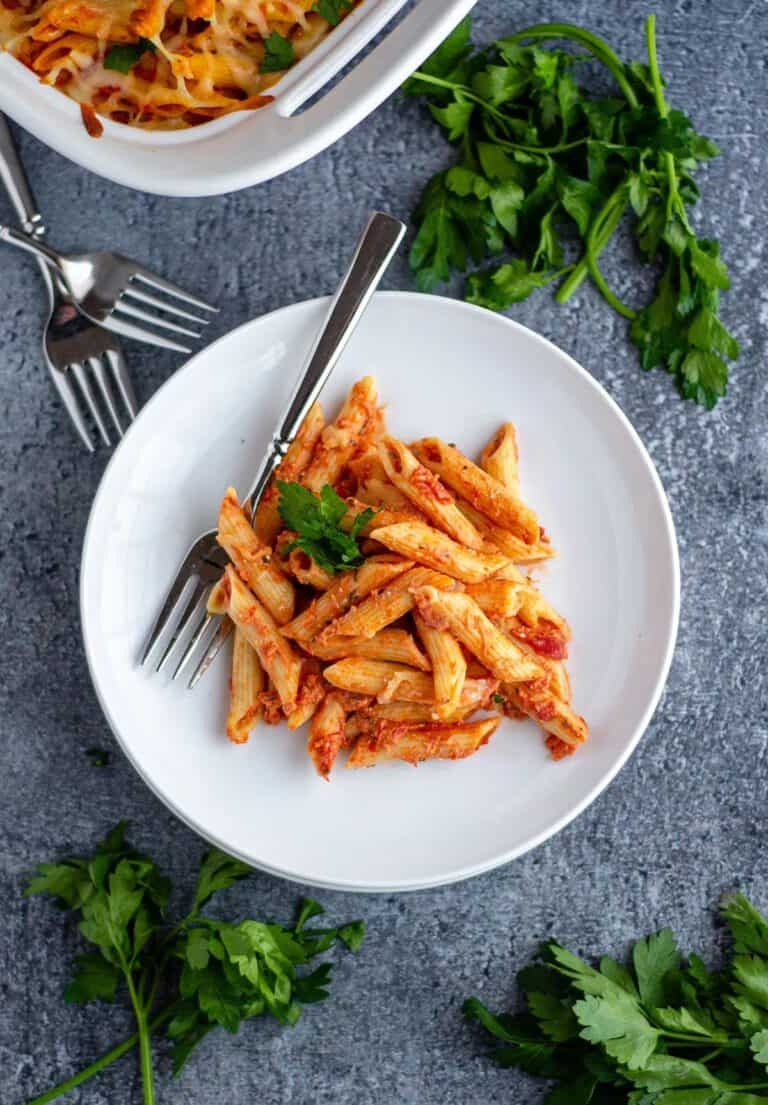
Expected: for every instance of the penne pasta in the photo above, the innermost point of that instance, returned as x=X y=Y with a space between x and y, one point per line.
x=387 y=605
x=255 y=561
x=327 y=734
x=500 y=458
x=497 y=538
x=340 y=440
x=415 y=743
x=449 y=667
x=304 y=570
x=498 y=598
x=246 y=685
x=387 y=682
x=377 y=572
x=426 y=492
x=267 y=522
x=433 y=549
x=480 y=490
x=556 y=717
x=392 y=659
x=460 y=614
x=396 y=645
x=275 y=653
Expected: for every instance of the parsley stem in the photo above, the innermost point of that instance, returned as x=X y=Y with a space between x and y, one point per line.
x=617 y=201
x=605 y=222
x=596 y=46
x=145 y=1043
x=104 y=1061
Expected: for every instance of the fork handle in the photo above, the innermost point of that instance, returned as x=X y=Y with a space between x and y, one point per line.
x=16 y=185
x=32 y=245
x=372 y=256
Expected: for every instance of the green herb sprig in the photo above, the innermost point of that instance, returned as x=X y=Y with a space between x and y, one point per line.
x=543 y=163
x=317 y=521
x=332 y=10
x=123 y=56
x=189 y=977
x=278 y=54
x=660 y=1030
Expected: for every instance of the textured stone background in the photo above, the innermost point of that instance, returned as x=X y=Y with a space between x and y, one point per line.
x=684 y=820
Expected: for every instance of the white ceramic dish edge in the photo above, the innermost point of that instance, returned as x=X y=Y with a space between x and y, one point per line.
x=536 y=839
x=246 y=148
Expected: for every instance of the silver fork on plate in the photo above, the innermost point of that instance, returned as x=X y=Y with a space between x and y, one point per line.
x=72 y=345
x=184 y=608
x=112 y=290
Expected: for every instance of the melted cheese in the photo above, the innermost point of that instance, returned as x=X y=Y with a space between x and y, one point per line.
x=206 y=59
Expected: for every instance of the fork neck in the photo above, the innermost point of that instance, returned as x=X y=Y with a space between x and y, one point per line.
x=31 y=245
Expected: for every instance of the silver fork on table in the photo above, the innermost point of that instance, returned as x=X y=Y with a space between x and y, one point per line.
x=184 y=608
x=112 y=291
x=73 y=346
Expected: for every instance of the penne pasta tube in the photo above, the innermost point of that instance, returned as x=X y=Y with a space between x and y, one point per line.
x=327 y=734
x=415 y=743
x=419 y=712
x=460 y=614
x=348 y=588
x=312 y=690
x=553 y=715
x=449 y=667
x=275 y=653
x=255 y=561
x=500 y=458
x=218 y=600
x=387 y=605
x=246 y=685
x=428 y=546
x=426 y=492
x=267 y=522
x=388 y=682
x=303 y=569
x=374 y=486
x=382 y=517
x=480 y=490
x=496 y=597
x=497 y=538
x=396 y=645
x=340 y=440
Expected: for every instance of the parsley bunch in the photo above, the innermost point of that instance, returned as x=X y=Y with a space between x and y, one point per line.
x=187 y=978
x=544 y=164
x=317 y=521
x=662 y=1030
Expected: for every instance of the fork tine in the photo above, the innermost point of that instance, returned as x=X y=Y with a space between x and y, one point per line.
x=138 y=333
x=207 y=622
x=100 y=373
x=68 y=396
x=220 y=637
x=116 y=362
x=162 y=305
x=154 y=320
x=85 y=387
x=173 y=600
x=193 y=608
x=172 y=289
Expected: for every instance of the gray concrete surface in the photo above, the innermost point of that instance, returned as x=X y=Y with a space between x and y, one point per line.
x=683 y=822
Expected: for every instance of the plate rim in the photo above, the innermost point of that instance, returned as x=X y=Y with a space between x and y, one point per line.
x=603 y=781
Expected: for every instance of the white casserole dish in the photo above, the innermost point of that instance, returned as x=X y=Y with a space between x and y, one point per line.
x=244 y=148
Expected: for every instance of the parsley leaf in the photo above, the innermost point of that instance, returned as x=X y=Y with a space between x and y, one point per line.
x=317 y=521
x=213 y=973
x=538 y=155
x=332 y=10
x=123 y=56
x=602 y=1035
x=278 y=54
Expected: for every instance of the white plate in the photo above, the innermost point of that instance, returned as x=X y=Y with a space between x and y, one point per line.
x=443 y=368
x=246 y=147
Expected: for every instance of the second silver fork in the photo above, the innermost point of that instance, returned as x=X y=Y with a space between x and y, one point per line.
x=85 y=362
x=183 y=618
